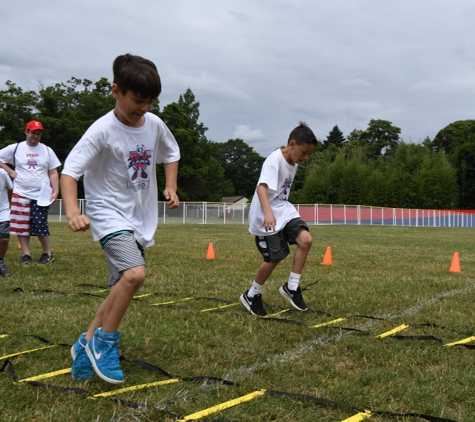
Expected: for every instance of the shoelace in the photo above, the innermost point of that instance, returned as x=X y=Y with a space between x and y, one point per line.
x=309 y=285
x=273 y=308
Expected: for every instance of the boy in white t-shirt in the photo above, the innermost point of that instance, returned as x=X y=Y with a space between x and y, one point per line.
x=276 y=223
x=117 y=156
x=5 y=200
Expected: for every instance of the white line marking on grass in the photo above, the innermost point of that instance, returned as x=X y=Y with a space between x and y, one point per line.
x=31 y=298
x=311 y=345
x=417 y=308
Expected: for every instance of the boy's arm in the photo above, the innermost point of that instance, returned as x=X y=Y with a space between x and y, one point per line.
x=54 y=179
x=69 y=189
x=171 y=174
x=269 y=222
x=11 y=173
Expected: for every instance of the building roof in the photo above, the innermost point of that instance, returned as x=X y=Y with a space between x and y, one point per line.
x=233 y=199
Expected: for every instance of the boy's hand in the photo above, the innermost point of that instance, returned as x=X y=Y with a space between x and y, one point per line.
x=269 y=222
x=172 y=199
x=78 y=223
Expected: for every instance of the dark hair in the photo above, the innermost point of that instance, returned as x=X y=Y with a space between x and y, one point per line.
x=138 y=75
x=302 y=134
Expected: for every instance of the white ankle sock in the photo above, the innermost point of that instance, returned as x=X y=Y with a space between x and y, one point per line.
x=294 y=280
x=256 y=289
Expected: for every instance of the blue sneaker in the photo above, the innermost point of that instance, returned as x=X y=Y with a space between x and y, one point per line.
x=82 y=366
x=103 y=351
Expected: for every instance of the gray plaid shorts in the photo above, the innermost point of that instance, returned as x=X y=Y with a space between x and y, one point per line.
x=122 y=253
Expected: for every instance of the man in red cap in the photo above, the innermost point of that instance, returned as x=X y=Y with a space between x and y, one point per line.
x=34 y=171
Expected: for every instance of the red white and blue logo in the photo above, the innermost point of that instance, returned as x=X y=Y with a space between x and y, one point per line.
x=32 y=163
x=139 y=161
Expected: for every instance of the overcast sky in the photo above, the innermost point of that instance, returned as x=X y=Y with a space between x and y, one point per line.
x=258 y=67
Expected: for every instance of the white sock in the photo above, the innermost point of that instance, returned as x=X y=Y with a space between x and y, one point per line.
x=256 y=289
x=294 y=280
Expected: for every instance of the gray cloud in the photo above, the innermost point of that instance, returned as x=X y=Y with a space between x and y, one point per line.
x=258 y=68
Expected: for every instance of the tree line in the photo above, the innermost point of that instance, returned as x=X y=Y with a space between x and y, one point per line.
x=369 y=167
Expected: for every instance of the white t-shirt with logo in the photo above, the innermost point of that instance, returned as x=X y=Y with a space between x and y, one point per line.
x=5 y=184
x=119 y=167
x=32 y=166
x=278 y=175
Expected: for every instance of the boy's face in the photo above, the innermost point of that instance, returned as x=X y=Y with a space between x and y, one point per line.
x=130 y=108
x=299 y=153
x=33 y=137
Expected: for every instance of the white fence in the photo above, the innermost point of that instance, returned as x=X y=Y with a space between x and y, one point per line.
x=224 y=213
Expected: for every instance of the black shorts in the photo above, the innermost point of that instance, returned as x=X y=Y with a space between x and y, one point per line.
x=275 y=247
x=4 y=229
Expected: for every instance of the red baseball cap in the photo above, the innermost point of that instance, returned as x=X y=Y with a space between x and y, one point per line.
x=34 y=125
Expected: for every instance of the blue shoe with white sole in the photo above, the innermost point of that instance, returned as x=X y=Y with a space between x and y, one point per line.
x=103 y=352
x=82 y=366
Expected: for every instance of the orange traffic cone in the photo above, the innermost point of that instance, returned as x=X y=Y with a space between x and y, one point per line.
x=210 y=253
x=19 y=246
x=455 y=266
x=327 y=259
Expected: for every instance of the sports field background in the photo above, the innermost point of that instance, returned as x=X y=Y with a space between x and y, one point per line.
x=188 y=322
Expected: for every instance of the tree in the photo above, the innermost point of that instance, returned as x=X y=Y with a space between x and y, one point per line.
x=411 y=177
x=241 y=164
x=354 y=136
x=65 y=109
x=454 y=135
x=200 y=176
x=335 y=137
x=68 y=109
x=16 y=109
x=191 y=110
x=457 y=141
x=192 y=170
x=380 y=136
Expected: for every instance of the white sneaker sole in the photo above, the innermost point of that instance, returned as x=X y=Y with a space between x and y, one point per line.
x=289 y=298
x=246 y=305
x=96 y=369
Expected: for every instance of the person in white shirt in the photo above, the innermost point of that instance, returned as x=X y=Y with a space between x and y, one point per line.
x=5 y=199
x=35 y=165
x=117 y=156
x=275 y=222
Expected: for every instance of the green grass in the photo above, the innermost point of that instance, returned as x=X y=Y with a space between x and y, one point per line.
x=399 y=274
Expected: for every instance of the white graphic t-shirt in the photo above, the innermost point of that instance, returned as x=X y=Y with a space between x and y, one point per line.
x=278 y=175
x=5 y=184
x=32 y=166
x=119 y=167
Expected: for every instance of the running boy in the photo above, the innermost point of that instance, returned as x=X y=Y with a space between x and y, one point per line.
x=276 y=223
x=117 y=156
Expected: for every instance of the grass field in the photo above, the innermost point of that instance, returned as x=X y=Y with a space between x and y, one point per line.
x=381 y=278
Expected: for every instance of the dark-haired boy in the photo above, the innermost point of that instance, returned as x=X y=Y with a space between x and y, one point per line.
x=117 y=156
x=275 y=222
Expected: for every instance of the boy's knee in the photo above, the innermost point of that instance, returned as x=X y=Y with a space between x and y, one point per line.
x=305 y=239
x=135 y=276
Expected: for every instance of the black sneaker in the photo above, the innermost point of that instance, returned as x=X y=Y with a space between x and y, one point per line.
x=294 y=297
x=26 y=259
x=254 y=305
x=4 y=269
x=46 y=258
